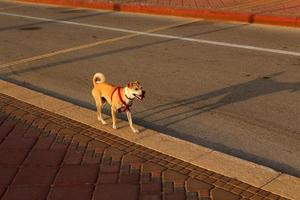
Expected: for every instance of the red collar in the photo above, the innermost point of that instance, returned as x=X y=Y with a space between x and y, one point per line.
x=125 y=107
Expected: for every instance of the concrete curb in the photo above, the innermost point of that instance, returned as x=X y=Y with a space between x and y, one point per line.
x=248 y=172
x=204 y=14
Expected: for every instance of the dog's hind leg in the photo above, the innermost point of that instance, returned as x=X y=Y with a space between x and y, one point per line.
x=99 y=113
x=98 y=101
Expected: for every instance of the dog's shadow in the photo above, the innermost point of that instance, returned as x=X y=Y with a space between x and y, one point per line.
x=196 y=105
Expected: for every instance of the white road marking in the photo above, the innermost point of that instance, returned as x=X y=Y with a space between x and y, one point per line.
x=225 y=44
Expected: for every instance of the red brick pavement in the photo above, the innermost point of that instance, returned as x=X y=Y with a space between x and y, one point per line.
x=47 y=156
x=276 y=12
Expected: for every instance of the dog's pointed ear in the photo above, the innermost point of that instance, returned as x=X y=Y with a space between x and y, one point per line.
x=129 y=84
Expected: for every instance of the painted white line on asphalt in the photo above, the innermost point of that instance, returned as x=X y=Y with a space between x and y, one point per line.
x=225 y=44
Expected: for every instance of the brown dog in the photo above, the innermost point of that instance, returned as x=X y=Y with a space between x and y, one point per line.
x=120 y=98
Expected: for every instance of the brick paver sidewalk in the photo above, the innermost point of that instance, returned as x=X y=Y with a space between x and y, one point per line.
x=47 y=156
x=275 y=12
x=268 y=7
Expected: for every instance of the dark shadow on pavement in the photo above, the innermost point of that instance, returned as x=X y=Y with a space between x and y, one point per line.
x=228 y=95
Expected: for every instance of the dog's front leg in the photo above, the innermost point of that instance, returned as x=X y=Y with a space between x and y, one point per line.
x=130 y=122
x=113 y=116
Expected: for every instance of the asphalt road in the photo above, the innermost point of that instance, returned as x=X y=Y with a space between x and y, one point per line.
x=229 y=86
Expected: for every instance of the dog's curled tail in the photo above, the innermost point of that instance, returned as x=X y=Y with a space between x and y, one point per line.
x=98 y=78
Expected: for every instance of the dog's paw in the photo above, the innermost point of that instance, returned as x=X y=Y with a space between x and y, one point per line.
x=135 y=130
x=101 y=120
x=114 y=127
